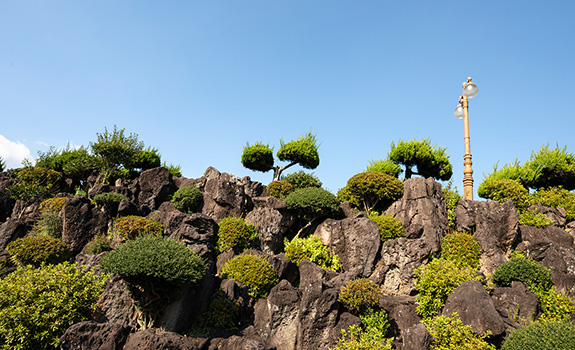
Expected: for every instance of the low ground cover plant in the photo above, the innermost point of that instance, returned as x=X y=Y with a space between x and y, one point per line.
x=389 y=227
x=312 y=249
x=252 y=270
x=37 y=250
x=450 y=333
x=132 y=226
x=360 y=294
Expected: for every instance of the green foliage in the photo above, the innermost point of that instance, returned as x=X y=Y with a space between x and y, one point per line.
x=554 y=305
x=449 y=333
x=312 y=202
x=389 y=227
x=462 y=249
x=187 y=199
x=301 y=179
x=451 y=199
x=235 y=232
x=109 y=201
x=312 y=249
x=431 y=161
x=531 y=217
x=114 y=150
x=550 y=167
x=76 y=164
x=435 y=281
x=280 y=188
x=258 y=157
x=100 y=243
x=36 y=250
x=532 y=273
x=38 y=305
x=503 y=190
x=556 y=335
x=49 y=223
x=555 y=197
x=152 y=258
x=360 y=294
x=222 y=313
x=253 y=271
x=384 y=166
x=34 y=184
x=510 y=171
x=302 y=151
x=175 y=170
x=373 y=190
x=131 y=227
x=53 y=204
x=145 y=159
x=370 y=337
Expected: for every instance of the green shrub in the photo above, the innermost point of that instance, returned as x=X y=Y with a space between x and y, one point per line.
x=532 y=273
x=451 y=199
x=302 y=151
x=187 y=199
x=312 y=249
x=280 y=188
x=131 y=227
x=301 y=179
x=110 y=201
x=531 y=217
x=389 y=227
x=503 y=190
x=258 y=157
x=554 y=305
x=360 y=295
x=145 y=159
x=76 y=164
x=431 y=161
x=222 y=313
x=152 y=258
x=100 y=243
x=550 y=167
x=36 y=250
x=556 y=335
x=53 y=204
x=511 y=171
x=369 y=337
x=384 y=166
x=37 y=305
x=34 y=184
x=374 y=190
x=175 y=170
x=49 y=223
x=253 y=271
x=312 y=202
x=555 y=197
x=449 y=333
x=435 y=281
x=235 y=232
x=462 y=249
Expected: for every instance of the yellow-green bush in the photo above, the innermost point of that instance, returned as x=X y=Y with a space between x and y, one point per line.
x=235 y=232
x=369 y=336
x=389 y=227
x=280 y=188
x=312 y=249
x=131 y=227
x=373 y=190
x=253 y=271
x=187 y=199
x=36 y=250
x=100 y=243
x=449 y=333
x=531 y=217
x=556 y=197
x=360 y=294
x=461 y=248
x=542 y=335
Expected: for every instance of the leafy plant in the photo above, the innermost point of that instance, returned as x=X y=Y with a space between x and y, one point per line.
x=34 y=184
x=512 y=171
x=384 y=166
x=37 y=305
x=75 y=163
x=431 y=161
x=253 y=271
x=175 y=170
x=373 y=190
x=280 y=188
x=550 y=167
x=235 y=232
x=360 y=294
x=132 y=226
x=49 y=223
x=542 y=335
x=312 y=202
x=369 y=337
x=222 y=313
x=554 y=305
x=258 y=157
x=36 y=250
x=532 y=273
x=312 y=249
x=532 y=217
x=503 y=190
x=301 y=179
x=146 y=159
x=462 y=249
x=449 y=333
x=100 y=243
x=389 y=227
x=187 y=199
x=110 y=201
x=556 y=197
x=451 y=199
x=435 y=281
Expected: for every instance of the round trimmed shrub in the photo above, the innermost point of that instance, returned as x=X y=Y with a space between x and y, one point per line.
x=302 y=151
x=451 y=333
x=152 y=258
x=187 y=199
x=384 y=166
x=110 y=201
x=280 y=188
x=389 y=227
x=258 y=157
x=312 y=249
x=312 y=202
x=132 y=226
x=556 y=197
x=535 y=275
x=37 y=305
x=360 y=294
x=301 y=179
x=461 y=248
x=374 y=190
x=235 y=232
x=503 y=190
x=542 y=335
x=36 y=250
x=254 y=271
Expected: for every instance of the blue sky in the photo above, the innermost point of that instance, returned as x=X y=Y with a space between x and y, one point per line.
x=199 y=79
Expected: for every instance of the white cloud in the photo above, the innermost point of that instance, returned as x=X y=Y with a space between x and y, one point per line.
x=13 y=153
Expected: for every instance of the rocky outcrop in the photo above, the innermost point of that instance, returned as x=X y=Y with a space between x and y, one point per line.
x=271 y=225
x=154 y=338
x=401 y=313
x=95 y=336
x=81 y=221
x=152 y=188
x=516 y=304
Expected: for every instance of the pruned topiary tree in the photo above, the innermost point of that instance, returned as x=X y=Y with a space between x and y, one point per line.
x=302 y=151
x=431 y=161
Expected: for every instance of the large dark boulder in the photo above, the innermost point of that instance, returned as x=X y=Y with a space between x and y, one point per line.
x=115 y=304
x=496 y=228
x=6 y=203
x=245 y=341
x=154 y=338
x=355 y=240
x=401 y=313
x=90 y=335
x=516 y=304
x=271 y=225
x=11 y=230
x=81 y=221
x=416 y=338
x=152 y=188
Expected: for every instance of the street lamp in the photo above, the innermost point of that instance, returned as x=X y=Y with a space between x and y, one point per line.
x=462 y=112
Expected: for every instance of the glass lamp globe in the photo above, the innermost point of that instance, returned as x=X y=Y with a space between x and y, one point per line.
x=470 y=90
x=459 y=111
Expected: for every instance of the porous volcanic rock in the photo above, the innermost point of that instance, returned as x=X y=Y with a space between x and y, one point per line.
x=81 y=221
x=95 y=336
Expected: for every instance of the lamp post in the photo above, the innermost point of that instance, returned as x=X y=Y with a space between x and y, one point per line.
x=462 y=111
